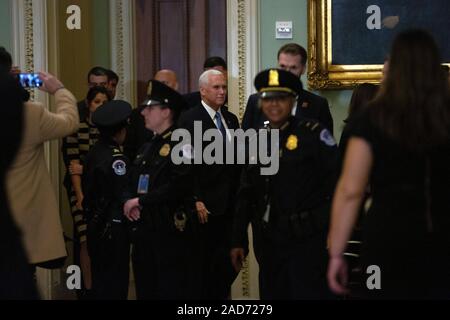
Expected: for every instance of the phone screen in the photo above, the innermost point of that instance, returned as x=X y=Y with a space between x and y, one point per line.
x=30 y=80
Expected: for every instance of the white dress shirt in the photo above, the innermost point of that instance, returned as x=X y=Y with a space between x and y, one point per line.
x=212 y=114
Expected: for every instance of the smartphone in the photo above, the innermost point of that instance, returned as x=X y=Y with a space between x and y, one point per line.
x=30 y=80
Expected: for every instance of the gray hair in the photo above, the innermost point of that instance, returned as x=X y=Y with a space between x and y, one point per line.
x=204 y=78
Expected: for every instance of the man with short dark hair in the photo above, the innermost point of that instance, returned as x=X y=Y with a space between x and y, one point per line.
x=292 y=57
x=216 y=63
x=113 y=81
x=193 y=99
x=97 y=77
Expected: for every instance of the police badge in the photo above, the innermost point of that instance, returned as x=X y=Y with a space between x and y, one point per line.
x=165 y=150
x=180 y=220
x=292 y=143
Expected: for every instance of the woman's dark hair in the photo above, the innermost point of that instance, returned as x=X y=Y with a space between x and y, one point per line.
x=11 y=111
x=5 y=60
x=413 y=106
x=92 y=93
x=362 y=95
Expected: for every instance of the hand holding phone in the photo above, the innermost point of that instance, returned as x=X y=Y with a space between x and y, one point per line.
x=50 y=83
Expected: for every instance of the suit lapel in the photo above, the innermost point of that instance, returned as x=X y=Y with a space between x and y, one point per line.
x=203 y=116
x=300 y=112
x=229 y=120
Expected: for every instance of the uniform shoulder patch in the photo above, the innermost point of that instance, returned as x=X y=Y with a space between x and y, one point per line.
x=327 y=138
x=119 y=167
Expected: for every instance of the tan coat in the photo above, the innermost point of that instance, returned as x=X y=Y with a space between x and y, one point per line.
x=31 y=194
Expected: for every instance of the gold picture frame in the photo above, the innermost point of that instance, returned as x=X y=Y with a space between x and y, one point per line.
x=322 y=74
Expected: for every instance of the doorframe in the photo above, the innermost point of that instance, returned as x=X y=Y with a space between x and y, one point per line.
x=122 y=50
x=243 y=33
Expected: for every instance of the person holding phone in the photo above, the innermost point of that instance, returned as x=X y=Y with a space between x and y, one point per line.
x=6 y=66
x=32 y=197
x=15 y=275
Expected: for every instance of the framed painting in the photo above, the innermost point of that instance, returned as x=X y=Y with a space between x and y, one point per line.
x=348 y=40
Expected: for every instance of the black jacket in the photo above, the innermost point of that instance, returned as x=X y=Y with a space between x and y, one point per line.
x=310 y=106
x=193 y=99
x=137 y=135
x=168 y=187
x=215 y=185
x=104 y=180
x=304 y=182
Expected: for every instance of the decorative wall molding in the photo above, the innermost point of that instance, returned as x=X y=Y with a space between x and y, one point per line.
x=122 y=30
x=243 y=65
x=243 y=51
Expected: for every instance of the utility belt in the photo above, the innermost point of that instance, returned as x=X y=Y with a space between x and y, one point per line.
x=182 y=220
x=303 y=224
x=100 y=232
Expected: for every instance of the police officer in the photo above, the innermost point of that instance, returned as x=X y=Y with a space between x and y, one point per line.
x=289 y=210
x=165 y=262
x=104 y=179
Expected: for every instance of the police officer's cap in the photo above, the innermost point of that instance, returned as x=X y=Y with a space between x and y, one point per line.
x=160 y=94
x=111 y=114
x=273 y=83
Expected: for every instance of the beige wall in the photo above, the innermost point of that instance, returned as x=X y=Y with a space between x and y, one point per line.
x=75 y=47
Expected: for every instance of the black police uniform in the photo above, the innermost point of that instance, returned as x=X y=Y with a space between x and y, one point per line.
x=165 y=258
x=289 y=211
x=104 y=181
x=137 y=135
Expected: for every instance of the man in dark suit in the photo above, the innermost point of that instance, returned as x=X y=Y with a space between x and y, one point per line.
x=292 y=57
x=194 y=99
x=214 y=186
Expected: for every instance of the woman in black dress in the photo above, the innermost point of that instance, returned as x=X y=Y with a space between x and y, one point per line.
x=361 y=97
x=401 y=143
